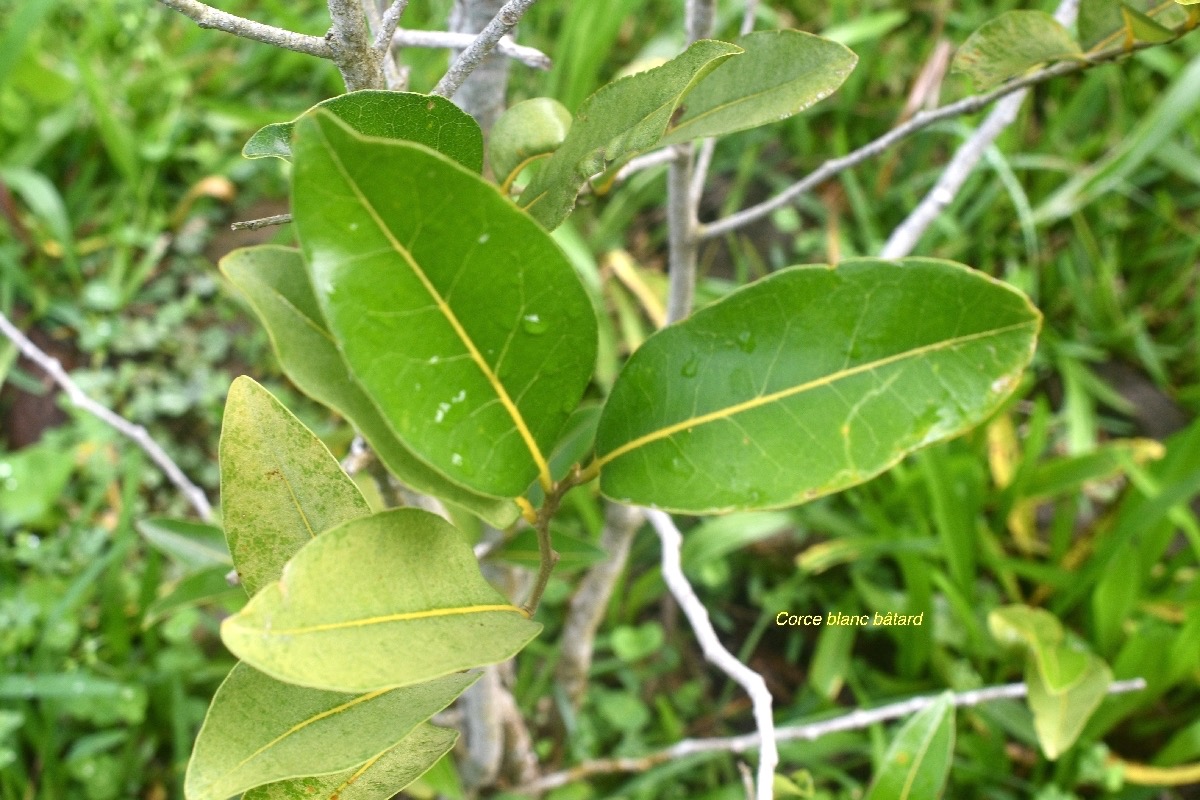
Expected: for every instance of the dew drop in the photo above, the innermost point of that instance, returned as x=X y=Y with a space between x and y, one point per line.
x=441 y=412
x=534 y=324
x=456 y=459
x=745 y=342
x=483 y=237
x=458 y=398
x=353 y=226
x=5 y=469
x=691 y=366
x=434 y=359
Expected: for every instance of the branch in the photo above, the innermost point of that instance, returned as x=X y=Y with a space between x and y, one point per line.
x=715 y=652
x=919 y=121
x=385 y=36
x=504 y=21
x=529 y=56
x=588 y=605
x=261 y=222
x=855 y=720
x=208 y=17
x=684 y=243
x=194 y=494
x=361 y=66
x=908 y=233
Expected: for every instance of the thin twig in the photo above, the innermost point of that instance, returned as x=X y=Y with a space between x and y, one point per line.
x=714 y=651
x=139 y=435
x=655 y=158
x=681 y=233
x=529 y=56
x=208 y=17
x=921 y=120
x=704 y=156
x=908 y=233
x=855 y=720
x=504 y=21
x=385 y=36
x=261 y=222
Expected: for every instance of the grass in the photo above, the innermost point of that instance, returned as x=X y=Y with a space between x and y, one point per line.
x=119 y=137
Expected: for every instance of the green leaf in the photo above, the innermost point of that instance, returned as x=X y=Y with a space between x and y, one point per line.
x=259 y=730
x=1102 y=23
x=193 y=544
x=525 y=132
x=620 y=120
x=780 y=74
x=425 y=119
x=1010 y=44
x=918 y=760
x=207 y=586
x=573 y=553
x=409 y=605
x=1041 y=634
x=1144 y=28
x=275 y=282
x=1059 y=716
x=461 y=318
x=809 y=381
x=380 y=778
x=280 y=486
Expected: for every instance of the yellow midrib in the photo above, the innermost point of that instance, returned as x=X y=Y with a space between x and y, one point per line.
x=494 y=380
x=782 y=394
x=403 y=616
x=311 y=720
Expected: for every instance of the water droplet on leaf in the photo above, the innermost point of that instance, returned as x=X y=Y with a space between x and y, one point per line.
x=745 y=342
x=534 y=324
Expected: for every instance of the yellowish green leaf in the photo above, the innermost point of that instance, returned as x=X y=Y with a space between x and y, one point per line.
x=387 y=600
x=918 y=761
x=1008 y=45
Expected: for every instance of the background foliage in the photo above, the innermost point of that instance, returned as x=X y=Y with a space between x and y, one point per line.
x=120 y=131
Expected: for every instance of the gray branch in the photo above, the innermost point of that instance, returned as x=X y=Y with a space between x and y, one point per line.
x=208 y=17
x=387 y=28
x=919 y=121
x=361 y=66
x=504 y=21
x=908 y=233
x=139 y=435
x=587 y=606
x=855 y=720
x=529 y=56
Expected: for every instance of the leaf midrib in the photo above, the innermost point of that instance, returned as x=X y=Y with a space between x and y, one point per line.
x=824 y=380
x=403 y=616
x=304 y=724
x=448 y=313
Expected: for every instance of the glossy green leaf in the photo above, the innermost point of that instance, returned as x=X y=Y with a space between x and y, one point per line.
x=280 y=486
x=275 y=282
x=780 y=74
x=259 y=730
x=194 y=545
x=620 y=120
x=1059 y=716
x=1008 y=45
x=387 y=600
x=809 y=381
x=425 y=119
x=917 y=762
x=457 y=314
x=525 y=132
x=206 y=586
x=380 y=778
x=1041 y=634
